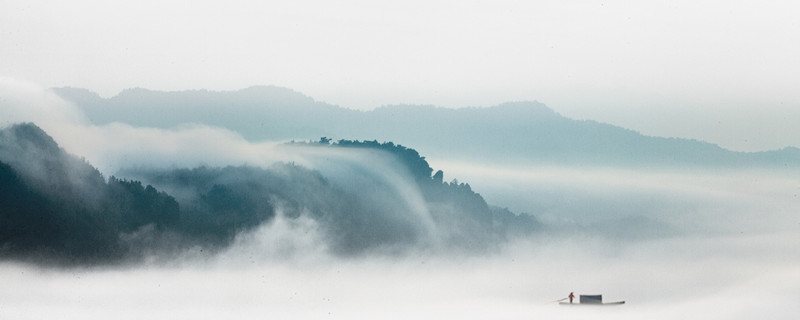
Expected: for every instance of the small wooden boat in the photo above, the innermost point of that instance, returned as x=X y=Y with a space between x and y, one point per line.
x=591 y=300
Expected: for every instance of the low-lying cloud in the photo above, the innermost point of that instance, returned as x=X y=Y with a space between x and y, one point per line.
x=116 y=146
x=365 y=196
x=710 y=278
x=673 y=244
x=687 y=201
x=22 y=101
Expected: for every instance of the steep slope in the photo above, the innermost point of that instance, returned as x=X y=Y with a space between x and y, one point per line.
x=57 y=208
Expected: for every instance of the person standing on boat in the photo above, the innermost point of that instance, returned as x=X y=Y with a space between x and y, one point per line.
x=571 y=296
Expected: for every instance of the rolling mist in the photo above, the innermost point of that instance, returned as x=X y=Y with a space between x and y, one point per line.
x=114 y=218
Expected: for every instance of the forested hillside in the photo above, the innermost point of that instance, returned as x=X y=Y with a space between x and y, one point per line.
x=57 y=208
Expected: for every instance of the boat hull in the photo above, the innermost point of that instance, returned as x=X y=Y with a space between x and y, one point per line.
x=615 y=303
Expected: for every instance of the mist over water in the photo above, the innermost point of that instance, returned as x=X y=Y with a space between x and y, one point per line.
x=674 y=244
x=687 y=201
x=721 y=262
x=665 y=279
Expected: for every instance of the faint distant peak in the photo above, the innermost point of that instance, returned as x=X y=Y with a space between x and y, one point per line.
x=793 y=152
x=510 y=113
x=136 y=91
x=252 y=94
x=76 y=94
x=527 y=107
x=253 y=90
x=408 y=108
x=85 y=95
x=274 y=93
x=264 y=89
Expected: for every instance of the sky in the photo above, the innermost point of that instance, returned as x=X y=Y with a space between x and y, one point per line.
x=719 y=71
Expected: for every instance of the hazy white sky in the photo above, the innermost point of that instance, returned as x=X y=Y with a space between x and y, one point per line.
x=721 y=71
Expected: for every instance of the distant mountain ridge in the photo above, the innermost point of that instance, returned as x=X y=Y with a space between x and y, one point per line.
x=527 y=132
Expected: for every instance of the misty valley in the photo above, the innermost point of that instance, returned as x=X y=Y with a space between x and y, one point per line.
x=262 y=202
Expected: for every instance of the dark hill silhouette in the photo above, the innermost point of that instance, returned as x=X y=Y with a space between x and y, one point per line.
x=512 y=132
x=57 y=208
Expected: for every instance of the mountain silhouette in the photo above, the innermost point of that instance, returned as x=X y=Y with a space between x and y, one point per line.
x=57 y=208
x=519 y=132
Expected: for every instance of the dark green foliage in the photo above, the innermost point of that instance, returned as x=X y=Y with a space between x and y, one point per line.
x=438 y=178
x=455 y=207
x=56 y=208
x=73 y=230
x=34 y=224
x=511 y=224
x=415 y=163
x=224 y=202
x=217 y=203
x=138 y=206
x=24 y=213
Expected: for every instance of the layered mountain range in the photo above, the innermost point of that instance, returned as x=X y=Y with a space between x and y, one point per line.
x=360 y=191
x=520 y=132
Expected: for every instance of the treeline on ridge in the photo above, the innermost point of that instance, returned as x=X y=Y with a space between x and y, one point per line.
x=57 y=208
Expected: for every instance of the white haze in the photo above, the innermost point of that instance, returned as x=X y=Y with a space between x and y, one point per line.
x=693 y=200
x=117 y=145
x=692 y=278
x=730 y=252
x=706 y=70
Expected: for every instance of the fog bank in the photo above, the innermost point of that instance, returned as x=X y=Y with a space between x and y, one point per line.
x=668 y=202
x=699 y=278
x=711 y=244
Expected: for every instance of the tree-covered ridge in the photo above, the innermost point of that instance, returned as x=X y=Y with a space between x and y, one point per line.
x=413 y=161
x=453 y=204
x=56 y=205
x=37 y=225
x=218 y=203
x=57 y=208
